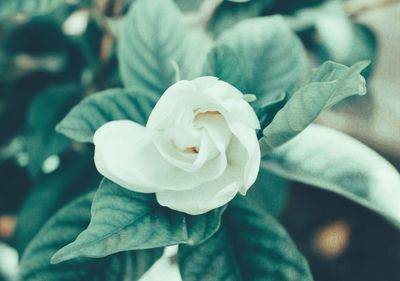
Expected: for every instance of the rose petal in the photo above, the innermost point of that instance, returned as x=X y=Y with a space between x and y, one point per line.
x=205 y=93
x=215 y=167
x=203 y=198
x=231 y=99
x=180 y=96
x=220 y=134
x=216 y=127
x=239 y=111
x=216 y=137
x=190 y=162
x=218 y=89
x=237 y=154
x=204 y=82
x=252 y=167
x=125 y=154
x=249 y=142
x=182 y=131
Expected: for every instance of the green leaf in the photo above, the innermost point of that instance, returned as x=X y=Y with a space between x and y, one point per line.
x=124 y=220
x=222 y=62
x=330 y=34
x=327 y=85
x=10 y=7
x=250 y=245
x=63 y=228
x=75 y=176
x=266 y=108
x=362 y=46
x=292 y=6
x=211 y=260
x=115 y=104
x=228 y=14
x=189 y=6
x=330 y=160
x=273 y=57
x=46 y=110
x=270 y=192
x=154 y=42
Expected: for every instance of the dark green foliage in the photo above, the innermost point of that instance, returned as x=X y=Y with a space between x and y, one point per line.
x=291 y=6
x=229 y=13
x=75 y=175
x=270 y=192
x=149 y=54
x=46 y=110
x=36 y=7
x=312 y=211
x=251 y=245
x=273 y=57
x=222 y=62
x=16 y=184
x=34 y=56
x=62 y=229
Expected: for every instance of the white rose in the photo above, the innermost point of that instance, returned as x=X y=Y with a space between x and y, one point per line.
x=197 y=151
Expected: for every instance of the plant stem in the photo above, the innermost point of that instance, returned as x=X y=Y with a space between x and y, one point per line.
x=201 y=18
x=356 y=8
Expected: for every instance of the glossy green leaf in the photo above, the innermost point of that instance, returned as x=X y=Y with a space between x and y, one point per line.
x=63 y=228
x=327 y=85
x=45 y=111
x=266 y=108
x=189 y=6
x=270 y=192
x=75 y=176
x=84 y=119
x=124 y=220
x=330 y=160
x=211 y=260
x=155 y=48
x=222 y=62
x=293 y=6
x=274 y=58
x=229 y=13
x=250 y=245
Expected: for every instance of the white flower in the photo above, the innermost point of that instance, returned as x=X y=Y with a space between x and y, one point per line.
x=197 y=151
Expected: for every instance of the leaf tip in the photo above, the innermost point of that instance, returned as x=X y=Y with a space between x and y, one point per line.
x=56 y=258
x=363 y=64
x=190 y=242
x=59 y=128
x=362 y=86
x=62 y=255
x=360 y=66
x=62 y=129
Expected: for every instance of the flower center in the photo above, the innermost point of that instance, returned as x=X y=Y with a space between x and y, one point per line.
x=207 y=114
x=193 y=150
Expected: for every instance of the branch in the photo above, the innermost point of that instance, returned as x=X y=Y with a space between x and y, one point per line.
x=355 y=8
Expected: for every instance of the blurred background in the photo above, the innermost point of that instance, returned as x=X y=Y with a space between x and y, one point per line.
x=55 y=53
